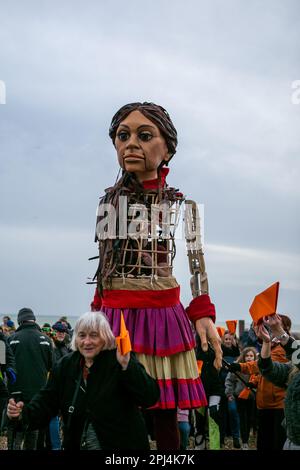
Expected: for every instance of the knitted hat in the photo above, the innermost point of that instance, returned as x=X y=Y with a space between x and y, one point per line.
x=25 y=314
x=58 y=326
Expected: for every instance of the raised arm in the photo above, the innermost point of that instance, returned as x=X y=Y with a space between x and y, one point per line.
x=201 y=311
x=275 y=372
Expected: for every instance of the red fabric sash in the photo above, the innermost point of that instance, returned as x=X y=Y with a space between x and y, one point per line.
x=141 y=298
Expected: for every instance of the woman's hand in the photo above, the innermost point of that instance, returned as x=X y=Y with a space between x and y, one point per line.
x=123 y=360
x=262 y=333
x=14 y=409
x=207 y=331
x=275 y=324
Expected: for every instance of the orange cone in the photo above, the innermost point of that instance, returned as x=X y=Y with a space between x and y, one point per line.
x=231 y=325
x=265 y=303
x=199 y=365
x=221 y=331
x=123 y=340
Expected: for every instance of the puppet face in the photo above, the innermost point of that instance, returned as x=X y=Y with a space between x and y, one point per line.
x=140 y=146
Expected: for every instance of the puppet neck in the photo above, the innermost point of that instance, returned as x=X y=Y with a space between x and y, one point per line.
x=153 y=184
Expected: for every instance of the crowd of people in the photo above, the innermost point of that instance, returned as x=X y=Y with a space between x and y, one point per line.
x=72 y=389
x=79 y=390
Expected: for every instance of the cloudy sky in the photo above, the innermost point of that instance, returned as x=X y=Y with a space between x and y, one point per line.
x=223 y=70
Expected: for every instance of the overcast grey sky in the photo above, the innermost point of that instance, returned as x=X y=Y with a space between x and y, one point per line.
x=224 y=71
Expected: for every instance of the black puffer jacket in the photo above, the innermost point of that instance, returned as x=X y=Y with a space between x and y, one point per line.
x=33 y=353
x=110 y=401
x=8 y=363
x=60 y=350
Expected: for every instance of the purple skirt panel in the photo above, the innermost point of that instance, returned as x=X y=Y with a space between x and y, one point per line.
x=155 y=331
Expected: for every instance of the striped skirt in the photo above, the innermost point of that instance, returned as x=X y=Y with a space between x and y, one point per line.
x=164 y=343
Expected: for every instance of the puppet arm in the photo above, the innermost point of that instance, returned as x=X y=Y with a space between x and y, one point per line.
x=200 y=311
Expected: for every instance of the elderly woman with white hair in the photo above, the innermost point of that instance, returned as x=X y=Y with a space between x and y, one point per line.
x=98 y=392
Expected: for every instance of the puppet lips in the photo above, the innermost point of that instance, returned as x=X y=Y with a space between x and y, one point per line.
x=133 y=156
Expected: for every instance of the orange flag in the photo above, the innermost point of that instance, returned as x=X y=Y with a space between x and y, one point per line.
x=123 y=340
x=199 y=365
x=244 y=393
x=221 y=331
x=231 y=325
x=265 y=303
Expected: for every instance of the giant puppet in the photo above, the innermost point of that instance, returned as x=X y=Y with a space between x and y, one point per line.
x=135 y=231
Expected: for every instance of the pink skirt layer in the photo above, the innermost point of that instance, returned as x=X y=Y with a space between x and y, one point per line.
x=155 y=331
x=162 y=332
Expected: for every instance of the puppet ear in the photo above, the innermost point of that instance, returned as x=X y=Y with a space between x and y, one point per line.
x=166 y=160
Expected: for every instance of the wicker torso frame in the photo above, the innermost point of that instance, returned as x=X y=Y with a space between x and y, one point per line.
x=149 y=248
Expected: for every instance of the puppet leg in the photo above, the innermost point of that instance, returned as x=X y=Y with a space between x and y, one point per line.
x=166 y=430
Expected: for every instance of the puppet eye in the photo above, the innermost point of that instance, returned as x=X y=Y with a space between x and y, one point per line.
x=145 y=136
x=122 y=135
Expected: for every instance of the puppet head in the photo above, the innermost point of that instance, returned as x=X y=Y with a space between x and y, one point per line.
x=155 y=113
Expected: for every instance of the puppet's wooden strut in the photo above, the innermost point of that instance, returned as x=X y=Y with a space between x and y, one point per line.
x=199 y=281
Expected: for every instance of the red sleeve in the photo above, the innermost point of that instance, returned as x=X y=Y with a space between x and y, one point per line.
x=97 y=302
x=201 y=307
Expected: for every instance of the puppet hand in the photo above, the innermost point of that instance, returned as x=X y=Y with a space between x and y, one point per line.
x=207 y=331
x=123 y=360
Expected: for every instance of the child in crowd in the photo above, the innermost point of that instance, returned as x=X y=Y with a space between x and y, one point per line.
x=244 y=396
x=230 y=418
